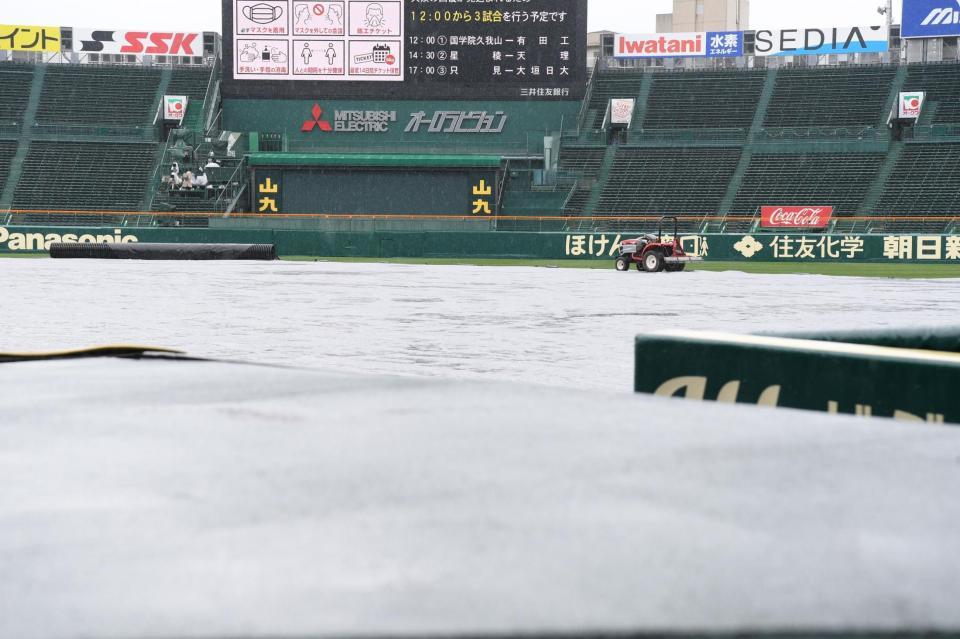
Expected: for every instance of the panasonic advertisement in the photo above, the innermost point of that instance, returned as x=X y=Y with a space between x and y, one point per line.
x=931 y=18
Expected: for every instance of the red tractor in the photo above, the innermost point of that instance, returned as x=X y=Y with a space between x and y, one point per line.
x=651 y=254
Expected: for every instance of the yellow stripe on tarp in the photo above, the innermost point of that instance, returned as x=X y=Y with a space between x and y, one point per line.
x=96 y=351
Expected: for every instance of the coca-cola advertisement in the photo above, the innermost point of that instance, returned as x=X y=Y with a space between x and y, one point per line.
x=796 y=217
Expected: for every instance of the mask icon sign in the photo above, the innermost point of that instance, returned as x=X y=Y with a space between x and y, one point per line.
x=263 y=13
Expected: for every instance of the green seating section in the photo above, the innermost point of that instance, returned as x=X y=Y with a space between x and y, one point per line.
x=98 y=96
x=834 y=96
x=942 y=85
x=582 y=161
x=8 y=148
x=925 y=181
x=193 y=84
x=579 y=197
x=15 y=81
x=585 y=163
x=840 y=180
x=704 y=100
x=605 y=87
x=668 y=180
x=84 y=176
x=196 y=201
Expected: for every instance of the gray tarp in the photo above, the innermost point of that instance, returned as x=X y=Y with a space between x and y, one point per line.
x=147 y=499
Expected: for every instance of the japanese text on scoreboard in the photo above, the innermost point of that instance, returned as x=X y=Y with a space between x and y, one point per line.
x=415 y=49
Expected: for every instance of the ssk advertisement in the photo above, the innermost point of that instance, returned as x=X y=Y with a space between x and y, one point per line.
x=137 y=42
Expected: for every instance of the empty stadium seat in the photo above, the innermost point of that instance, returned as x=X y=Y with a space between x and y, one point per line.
x=834 y=96
x=925 y=181
x=104 y=96
x=8 y=148
x=941 y=82
x=668 y=180
x=704 y=100
x=191 y=82
x=84 y=176
x=15 y=81
x=578 y=200
x=581 y=161
x=841 y=180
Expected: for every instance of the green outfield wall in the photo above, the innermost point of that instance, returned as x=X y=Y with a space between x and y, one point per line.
x=509 y=245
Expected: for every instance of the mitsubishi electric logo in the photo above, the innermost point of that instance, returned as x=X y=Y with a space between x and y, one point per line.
x=350 y=121
x=316 y=122
x=942 y=15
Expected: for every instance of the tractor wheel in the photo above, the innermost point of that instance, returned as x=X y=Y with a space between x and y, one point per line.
x=623 y=264
x=675 y=268
x=653 y=262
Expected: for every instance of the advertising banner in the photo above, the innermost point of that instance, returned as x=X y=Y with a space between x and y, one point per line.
x=405 y=49
x=621 y=111
x=174 y=107
x=15 y=37
x=137 y=42
x=930 y=18
x=707 y=44
x=911 y=104
x=821 y=41
x=787 y=246
x=796 y=217
x=856 y=377
x=474 y=192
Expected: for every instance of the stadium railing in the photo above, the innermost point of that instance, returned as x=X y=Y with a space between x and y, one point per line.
x=210 y=101
x=823 y=133
x=933 y=133
x=532 y=146
x=147 y=134
x=686 y=136
x=158 y=171
x=639 y=223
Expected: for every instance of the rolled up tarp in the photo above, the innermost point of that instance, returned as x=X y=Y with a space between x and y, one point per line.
x=146 y=251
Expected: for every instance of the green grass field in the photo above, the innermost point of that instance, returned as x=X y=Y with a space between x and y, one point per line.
x=909 y=271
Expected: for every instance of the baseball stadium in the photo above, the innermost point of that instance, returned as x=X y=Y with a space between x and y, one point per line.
x=431 y=318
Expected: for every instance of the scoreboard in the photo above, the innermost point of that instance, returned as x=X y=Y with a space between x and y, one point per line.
x=405 y=49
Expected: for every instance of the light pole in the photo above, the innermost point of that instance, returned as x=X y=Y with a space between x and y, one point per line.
x=887 y=12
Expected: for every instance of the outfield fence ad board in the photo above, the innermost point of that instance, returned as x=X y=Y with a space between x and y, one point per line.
x=757 y=247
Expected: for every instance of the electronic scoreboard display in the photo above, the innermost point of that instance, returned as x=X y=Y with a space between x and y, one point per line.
x=405 y=49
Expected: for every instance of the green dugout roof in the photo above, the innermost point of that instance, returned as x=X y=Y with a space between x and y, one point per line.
x=373 y=159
